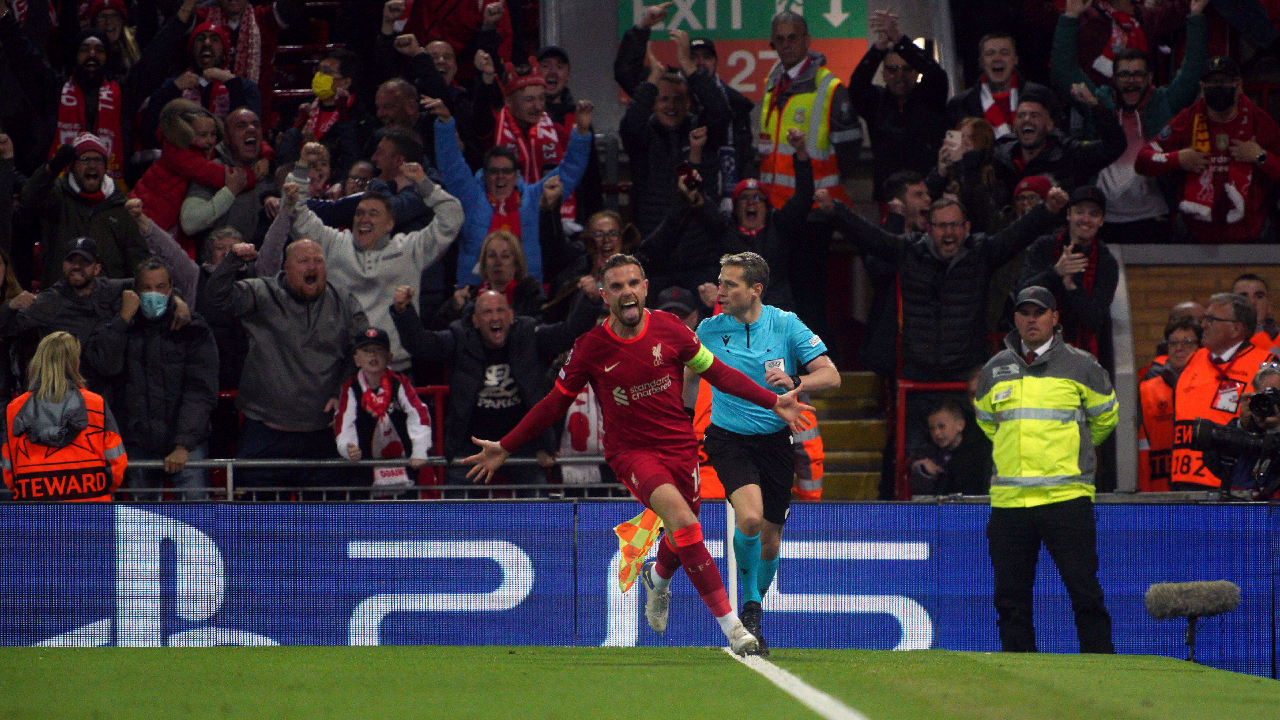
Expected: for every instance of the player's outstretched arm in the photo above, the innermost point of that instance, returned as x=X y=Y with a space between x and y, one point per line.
x=487 y=461
x=790 y=409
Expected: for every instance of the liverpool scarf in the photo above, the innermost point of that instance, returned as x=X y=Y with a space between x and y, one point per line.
x=1125 y=33
x=247 y=50
x=71 y=121
x=535 y=148
x=997 y=108
x=1200 y=191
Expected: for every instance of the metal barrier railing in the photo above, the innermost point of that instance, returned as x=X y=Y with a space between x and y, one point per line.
x=230 y=491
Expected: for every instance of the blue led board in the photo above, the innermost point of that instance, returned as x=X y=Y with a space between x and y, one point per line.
x=863 y=576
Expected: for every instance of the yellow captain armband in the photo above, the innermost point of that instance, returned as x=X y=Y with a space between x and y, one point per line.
x=701 y=360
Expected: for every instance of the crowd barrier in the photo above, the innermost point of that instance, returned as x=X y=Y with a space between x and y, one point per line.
x=882 y=576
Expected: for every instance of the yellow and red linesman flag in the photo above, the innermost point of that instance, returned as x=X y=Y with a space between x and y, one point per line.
x=635 y=537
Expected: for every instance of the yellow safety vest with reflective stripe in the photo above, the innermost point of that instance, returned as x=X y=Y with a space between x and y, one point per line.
x=810 y=113
x=1044 y=421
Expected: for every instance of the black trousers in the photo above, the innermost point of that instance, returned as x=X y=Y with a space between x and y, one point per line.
x=1069 y=532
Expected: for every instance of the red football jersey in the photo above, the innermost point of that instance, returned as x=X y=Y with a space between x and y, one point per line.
x=639 y=383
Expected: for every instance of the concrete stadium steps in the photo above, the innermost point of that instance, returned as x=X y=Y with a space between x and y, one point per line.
x=853 y=437
x=850 y=485
x=866 y=434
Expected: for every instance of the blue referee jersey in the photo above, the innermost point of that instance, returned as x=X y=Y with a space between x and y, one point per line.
x=776 y=339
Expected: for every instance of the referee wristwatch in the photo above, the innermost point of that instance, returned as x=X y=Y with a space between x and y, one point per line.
x=795 y=381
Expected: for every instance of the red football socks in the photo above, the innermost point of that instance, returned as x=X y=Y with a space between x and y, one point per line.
x=701 y=568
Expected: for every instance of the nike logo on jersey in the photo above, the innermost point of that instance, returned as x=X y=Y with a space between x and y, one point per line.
x=607 y=368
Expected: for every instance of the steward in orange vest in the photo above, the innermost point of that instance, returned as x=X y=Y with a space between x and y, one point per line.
x=1155 y=396
x=69 y=450
x=1211 y=386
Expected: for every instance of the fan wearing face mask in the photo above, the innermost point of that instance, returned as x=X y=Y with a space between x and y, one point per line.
x=1229 y=151
x=170 y=382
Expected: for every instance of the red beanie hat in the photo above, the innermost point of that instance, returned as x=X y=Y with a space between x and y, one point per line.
x=744 y=185
x=1038 y=184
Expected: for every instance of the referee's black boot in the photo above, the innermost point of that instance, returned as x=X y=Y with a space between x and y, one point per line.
x=751 y=615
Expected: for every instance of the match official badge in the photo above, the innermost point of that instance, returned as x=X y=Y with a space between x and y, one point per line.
x=657 y=355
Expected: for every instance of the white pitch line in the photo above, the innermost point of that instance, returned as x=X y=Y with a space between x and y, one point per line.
x=811 y=697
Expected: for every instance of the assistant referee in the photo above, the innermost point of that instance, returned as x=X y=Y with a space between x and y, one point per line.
x=749 y=449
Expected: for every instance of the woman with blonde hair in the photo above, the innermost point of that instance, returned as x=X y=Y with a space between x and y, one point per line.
x=965 y=170
x=62 y=442
x=502 y=268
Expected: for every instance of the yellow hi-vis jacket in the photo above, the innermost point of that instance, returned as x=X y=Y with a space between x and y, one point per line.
x=807 y=106
x=1044 y=421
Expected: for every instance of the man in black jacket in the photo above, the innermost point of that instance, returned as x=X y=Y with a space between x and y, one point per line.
x=1081 y=272
x=82 y=203
x=170 y=381
x=498 y=368
x=753 y=226
x=943 y=276
x=656 y=129
x=1038 y=148
x=906 y=118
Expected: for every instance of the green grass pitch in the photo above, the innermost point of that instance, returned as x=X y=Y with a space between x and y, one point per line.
x=528 y=683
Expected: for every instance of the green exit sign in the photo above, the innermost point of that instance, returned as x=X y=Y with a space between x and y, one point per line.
x=749 y=19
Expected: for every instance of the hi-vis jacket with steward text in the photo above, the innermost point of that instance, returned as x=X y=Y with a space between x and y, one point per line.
x=68 y=450
x=1044 y=421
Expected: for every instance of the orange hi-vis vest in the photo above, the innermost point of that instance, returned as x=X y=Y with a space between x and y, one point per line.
x=1155 y=441
x=809 y=112
x=89 y=468
x=806 y=445
x=1262 y=340
x=1212 y=392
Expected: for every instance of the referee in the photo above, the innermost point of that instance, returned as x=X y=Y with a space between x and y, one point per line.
x=750 y=448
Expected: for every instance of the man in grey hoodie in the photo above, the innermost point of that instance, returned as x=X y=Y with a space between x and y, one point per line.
x=302 y=331
x=368 y=260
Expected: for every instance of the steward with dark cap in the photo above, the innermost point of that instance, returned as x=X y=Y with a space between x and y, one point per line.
x=1045 y=405
x=1037 y=147
x=1076 y=266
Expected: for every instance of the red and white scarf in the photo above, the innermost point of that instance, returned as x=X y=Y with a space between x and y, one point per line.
x=1125 y=33
x=506 y=214
x=998 y=108
x=71 y=122
x=320 y=121
x=535 y=148
x=1199 y=192
x=246 y=53
x=20 y=12
x=219 y=97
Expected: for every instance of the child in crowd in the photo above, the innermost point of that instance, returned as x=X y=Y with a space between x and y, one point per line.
x=957 y=461
x=378 y=413
x=189 y=135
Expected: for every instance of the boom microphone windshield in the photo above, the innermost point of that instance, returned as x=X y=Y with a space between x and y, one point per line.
x=1166 y=601
x=1191 y=600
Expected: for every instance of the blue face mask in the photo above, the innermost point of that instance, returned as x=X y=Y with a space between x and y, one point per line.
x=153 y=304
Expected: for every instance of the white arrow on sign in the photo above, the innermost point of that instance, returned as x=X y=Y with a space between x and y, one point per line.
x=836 y=15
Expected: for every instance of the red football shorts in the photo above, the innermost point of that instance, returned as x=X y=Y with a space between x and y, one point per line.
x=644 y=471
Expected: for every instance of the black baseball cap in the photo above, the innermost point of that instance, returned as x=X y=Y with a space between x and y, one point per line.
x=1036 y=295
x=1221 y=65
x=554 y=51
x=704 y=44
x=1042 y=95
x=374 y=336
x=86 y=247
x=677 y=300
x=1088 y=193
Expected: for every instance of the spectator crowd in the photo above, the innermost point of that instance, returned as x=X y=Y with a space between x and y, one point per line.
x=434 y=212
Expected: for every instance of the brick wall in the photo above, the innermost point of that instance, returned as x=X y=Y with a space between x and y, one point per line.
x=1153 y=289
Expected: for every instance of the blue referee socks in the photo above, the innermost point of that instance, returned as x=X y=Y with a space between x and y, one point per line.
x=746 y=550
x=764 y=575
